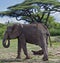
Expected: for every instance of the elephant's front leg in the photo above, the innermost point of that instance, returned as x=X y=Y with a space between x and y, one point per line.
x=19 y=49
x=23 y=44
x=25 y=51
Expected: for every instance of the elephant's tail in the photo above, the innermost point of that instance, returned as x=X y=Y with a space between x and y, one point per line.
x=50 y=41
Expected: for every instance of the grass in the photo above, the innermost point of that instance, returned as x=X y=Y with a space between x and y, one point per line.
x=8 y=55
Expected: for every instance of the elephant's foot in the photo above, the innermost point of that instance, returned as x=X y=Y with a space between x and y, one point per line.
x=27 y=57
x=18 y=57
x=40 y=52
x=45 y=58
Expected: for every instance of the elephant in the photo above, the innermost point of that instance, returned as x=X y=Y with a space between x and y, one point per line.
x=35 y=33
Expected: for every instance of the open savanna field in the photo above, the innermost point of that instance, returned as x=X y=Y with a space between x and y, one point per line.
x=8 y=55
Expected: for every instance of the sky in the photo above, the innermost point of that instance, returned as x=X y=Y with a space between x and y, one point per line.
x=6 y=3
x=3 y=7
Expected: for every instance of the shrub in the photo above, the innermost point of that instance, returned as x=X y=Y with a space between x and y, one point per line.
x=54 y=32
x=2 y=29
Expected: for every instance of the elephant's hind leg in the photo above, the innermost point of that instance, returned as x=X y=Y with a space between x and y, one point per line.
x=39 y=52
x=44 y=47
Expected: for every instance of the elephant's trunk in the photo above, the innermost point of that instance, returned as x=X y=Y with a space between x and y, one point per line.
x=6 y=37
x=4 y=43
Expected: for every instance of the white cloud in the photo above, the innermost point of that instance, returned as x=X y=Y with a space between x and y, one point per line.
x=56 y=16
x=6 y=19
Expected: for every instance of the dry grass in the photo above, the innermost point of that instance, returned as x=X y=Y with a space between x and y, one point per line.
x=8 y=55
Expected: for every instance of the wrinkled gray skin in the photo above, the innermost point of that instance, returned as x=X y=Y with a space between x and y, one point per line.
x=31 y=33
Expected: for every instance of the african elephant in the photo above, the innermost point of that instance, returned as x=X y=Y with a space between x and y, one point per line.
x=35 y=33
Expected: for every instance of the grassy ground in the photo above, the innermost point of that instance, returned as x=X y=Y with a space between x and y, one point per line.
x=8 y=55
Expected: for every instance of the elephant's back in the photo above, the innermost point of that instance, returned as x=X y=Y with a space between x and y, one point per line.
x=36 y=27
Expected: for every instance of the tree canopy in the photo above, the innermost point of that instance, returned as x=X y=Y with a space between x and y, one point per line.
x=33 y=10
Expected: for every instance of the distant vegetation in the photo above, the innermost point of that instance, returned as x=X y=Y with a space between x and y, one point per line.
x=54 y=28
x=2 y=29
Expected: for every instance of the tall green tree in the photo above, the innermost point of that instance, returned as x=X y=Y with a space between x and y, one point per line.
x=33 y=10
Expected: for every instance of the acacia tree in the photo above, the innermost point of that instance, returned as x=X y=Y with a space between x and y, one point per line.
x=33 y=10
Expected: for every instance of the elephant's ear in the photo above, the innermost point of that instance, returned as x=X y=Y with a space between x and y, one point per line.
x=14 y=27
x=20 y=28
x=17 y=28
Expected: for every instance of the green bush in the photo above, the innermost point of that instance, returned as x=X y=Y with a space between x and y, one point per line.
x=55 y=32
x=2 y=29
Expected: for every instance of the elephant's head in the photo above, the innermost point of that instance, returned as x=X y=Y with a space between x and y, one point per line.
x=11 y=32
